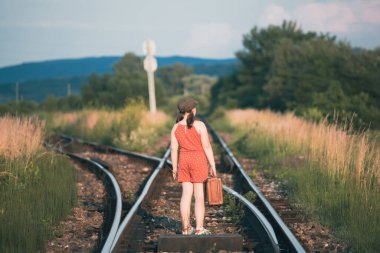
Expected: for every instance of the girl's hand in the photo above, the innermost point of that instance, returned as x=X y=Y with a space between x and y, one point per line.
x=213 y=172
x=174 y=174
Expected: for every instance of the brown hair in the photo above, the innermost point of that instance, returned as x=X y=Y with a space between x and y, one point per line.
x=186 y=105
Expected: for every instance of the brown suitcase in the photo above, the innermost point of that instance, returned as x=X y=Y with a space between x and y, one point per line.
x=214 y=191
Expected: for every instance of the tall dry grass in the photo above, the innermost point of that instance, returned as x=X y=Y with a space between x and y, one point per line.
x=20 y=136
x=332 y=172
x=341 y=153
x=37 y=187
x=132 y=127
x=89 y=118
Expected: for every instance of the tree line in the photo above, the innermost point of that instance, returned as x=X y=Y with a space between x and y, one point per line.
x=127 y=81
x=286 y=69
x=280 y=67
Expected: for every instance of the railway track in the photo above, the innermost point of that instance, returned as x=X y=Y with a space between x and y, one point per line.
x=122 y=173
x=153 y=215
x=287 y=242
x=112 y=214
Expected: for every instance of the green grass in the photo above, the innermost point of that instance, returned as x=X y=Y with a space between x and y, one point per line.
x=354 y=215
x=351 y=211
x=33 y=201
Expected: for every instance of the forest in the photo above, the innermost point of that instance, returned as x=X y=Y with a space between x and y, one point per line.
x=286 y=69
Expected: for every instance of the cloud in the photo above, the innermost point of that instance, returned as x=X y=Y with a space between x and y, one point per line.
x=336 y=17
x=209 y=39
x=274 y=14
x=367 y=12
x=331 y=17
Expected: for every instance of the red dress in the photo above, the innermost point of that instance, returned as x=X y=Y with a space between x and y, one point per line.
x=193 y=165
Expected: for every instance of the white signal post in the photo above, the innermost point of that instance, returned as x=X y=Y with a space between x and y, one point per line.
x=150 y=66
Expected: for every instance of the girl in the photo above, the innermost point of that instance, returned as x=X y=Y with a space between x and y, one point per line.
x=191 y=137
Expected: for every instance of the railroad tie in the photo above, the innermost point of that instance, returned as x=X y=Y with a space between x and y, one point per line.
x=203 y=243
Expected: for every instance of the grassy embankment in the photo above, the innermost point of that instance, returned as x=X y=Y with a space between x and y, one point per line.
x=132 y=128
x=332 y=173
x=37 y=187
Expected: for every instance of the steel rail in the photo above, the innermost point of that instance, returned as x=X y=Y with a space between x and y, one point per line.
x=118 y=150
x=116 y=221
x=290 y=236
x=115 y=149
x=255 y=212
x=138 y=202
x=115 y=186
x=259 y=216
x=59 y=149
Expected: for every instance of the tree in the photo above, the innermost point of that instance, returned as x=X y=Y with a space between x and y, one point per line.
x=300 y=70
x=171 y=77
x=129 y=80
x=257 y=57
x=198 y=84
x=69 y=103
x=94 y=92
x=284 y=68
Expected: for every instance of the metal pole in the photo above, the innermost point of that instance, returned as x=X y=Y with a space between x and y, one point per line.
x=150 y=66
x=152 y=97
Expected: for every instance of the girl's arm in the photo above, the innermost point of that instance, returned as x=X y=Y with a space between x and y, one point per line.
x=207 y=148
x=174 y=151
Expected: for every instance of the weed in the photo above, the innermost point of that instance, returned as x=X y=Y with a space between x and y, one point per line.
x=233 y=208
x=250 y=196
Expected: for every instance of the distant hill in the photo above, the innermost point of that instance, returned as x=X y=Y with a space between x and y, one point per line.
x=37 y=80
x=85 y=66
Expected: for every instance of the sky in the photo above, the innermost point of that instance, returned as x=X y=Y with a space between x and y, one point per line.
x=35 y=30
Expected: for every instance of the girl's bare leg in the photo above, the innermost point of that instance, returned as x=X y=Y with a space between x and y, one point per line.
x=187 y=193
x=199 y=207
